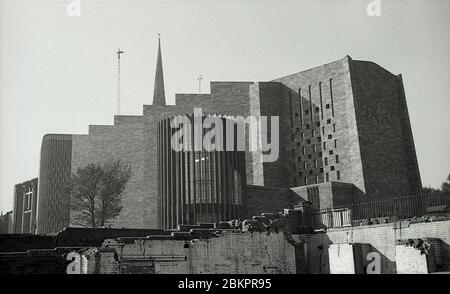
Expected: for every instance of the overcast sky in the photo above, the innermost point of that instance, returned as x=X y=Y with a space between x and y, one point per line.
x=57 y=72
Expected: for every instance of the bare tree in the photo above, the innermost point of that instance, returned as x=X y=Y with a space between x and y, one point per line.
x=96 y=191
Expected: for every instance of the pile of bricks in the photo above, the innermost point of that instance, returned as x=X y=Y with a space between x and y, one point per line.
x=266 y=222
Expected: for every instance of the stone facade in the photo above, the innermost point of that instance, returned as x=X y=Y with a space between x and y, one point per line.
x=230 y=253
x=345 y=122
x=328 y=194
x=383 y=239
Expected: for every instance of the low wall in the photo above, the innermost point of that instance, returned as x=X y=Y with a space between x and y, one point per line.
x=229 y=253
x=383 y=240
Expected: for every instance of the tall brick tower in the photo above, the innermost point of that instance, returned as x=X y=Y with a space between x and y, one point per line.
x=159 y=97
x=344 y=133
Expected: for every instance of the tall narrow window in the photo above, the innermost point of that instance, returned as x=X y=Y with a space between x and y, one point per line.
x=338 y=175
x=311 y=104
x=327 y=176
x=324 y=145
x=326 y=160
x=332 y=98
x=300 y=103
x=335 y=143
x=320 y=94
x=290 y=109
x=337 y=158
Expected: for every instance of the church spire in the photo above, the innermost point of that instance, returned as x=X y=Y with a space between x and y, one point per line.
x=159 y=97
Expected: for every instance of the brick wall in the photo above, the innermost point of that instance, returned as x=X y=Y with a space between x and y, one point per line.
x=41 y=261
x=383 y=239
x=387 y=147
x=124 y=142
x=133 y=139
x=246 y=253
x=24 y=242
x=332 y=83
x=409 y=260
x=238 y=253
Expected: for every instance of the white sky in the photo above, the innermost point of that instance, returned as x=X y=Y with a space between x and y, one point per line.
x=57 y=73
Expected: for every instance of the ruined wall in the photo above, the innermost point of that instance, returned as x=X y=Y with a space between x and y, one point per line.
x=232 y=253
x=24 y=242
x=246 y=253
x=382 y=239
x=58 y=261
x=44 y=261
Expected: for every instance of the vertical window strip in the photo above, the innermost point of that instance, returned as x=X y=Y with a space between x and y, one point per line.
x=331 y=96
x=311 y=104
x=321 y=102
x=300 y=102
x=290 y=109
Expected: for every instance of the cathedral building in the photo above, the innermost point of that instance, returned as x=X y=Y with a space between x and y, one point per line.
x=344 y=134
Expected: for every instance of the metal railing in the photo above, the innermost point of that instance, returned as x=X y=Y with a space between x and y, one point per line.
x=399 y=208
x=332 y=218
